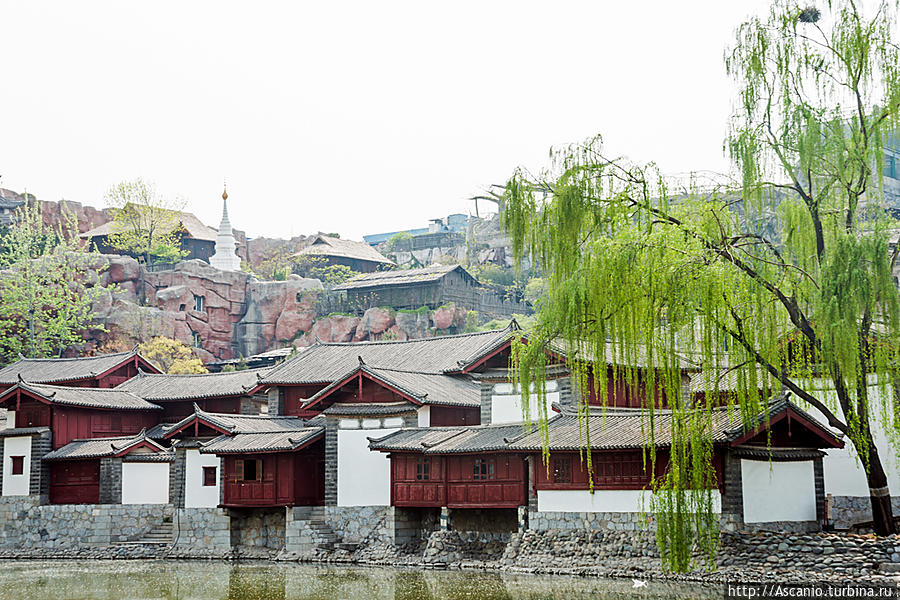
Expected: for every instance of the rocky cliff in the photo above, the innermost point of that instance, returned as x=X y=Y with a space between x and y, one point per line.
x=231 y=314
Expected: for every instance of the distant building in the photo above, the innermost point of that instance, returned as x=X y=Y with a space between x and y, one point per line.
x=359 y=256
x=9 y=202
x=455 y=223
x=414 y=288
x=197 y=239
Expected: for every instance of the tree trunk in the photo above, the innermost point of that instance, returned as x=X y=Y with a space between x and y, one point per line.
x=879 y=494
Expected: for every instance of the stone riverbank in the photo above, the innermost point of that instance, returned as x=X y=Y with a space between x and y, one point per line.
x=743 y=557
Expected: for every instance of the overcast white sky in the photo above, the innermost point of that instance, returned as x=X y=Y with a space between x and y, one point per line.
x=353 y=117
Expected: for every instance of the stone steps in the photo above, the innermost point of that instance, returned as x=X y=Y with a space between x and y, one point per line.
x=162 y=535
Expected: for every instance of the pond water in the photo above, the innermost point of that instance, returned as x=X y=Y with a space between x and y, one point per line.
x=184 y=580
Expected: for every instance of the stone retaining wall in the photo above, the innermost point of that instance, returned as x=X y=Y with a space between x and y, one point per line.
x=27 y=524
x=202 y=530
x=589 y=521
x=847 y=510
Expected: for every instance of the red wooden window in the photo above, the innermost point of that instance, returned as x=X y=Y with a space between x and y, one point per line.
x=209 y=476
x=249 y=470
x=423 y=469
x=483 y=468
x=621 y=470
x=18 y=465
x=562 y=470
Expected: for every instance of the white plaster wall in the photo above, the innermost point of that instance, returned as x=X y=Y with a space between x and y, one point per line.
x=625 y=501
x=197 y=495
x=16 y=485
x=843 y=471
x=363 y=476
x=506 y=406
x=424 y=415
x=778 y=491
x=10 y=421
x=145 y=483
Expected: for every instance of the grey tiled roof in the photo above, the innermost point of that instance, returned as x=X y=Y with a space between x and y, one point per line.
x=234 y=424
x=401 y=277
x=50 y=370
x=449 y=440
x=86 y=397
x=616 y=430
x=424 y=388
x=725 y=381
x=325 y=245
x=22 y=431
x=364 y=409
x=328 y=362
x=161 y=388
x=282 y=441
x=98 y=447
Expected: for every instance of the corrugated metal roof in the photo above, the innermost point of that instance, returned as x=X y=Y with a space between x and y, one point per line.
x=99 y=447
x=402 y=277
x=325 y=245
x=364 y=409
x=49 y=370
x=243 y=443
x=158 y=388
x=329 y=362
x=86 y=397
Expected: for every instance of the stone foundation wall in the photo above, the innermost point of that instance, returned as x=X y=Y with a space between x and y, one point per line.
x=202 y=530
x=590 y=521
x=26 y=524
x=455 y=546
x=847 y=510
x=258 y=528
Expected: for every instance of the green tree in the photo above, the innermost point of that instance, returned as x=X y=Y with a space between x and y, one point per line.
x=640 y=271
x=145 y=224
x=45 y=300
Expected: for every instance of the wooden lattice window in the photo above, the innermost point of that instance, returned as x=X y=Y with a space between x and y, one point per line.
x=209 y=476
x=624 y=469
x=423 y=469
x=18 y=465
x=249 y=470
x=483 y=468
x=562 y=470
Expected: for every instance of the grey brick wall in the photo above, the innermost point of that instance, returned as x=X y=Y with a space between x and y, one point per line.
x=733 y=498
x=819 y=475
x=276 y=405
x=487 y=390
x=331 y=429
x=110 y=481
x=40 y=471
x=176 y=478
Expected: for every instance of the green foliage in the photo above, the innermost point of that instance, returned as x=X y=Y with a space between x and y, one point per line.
x=399 y=241
x=472 y=322
x=317 y=267
x=641 y=273
x=526 y=322
x=333 y=274
x=535 y=290
x=45 y=302
x=422 y=310
x=145 y=224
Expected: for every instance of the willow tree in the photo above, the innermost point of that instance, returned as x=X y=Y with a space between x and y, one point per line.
x=783 y=277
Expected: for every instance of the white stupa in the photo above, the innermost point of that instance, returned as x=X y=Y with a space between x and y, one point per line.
x=225 y=258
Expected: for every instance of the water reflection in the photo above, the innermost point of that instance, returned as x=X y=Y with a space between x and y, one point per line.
x=190 y=580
